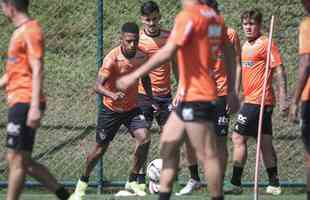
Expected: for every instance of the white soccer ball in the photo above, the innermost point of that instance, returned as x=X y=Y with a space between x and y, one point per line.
x=153 y=173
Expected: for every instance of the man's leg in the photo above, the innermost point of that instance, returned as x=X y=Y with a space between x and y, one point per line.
x=239 y=160
x=136 y=181
x=194 y=181
x=17 y=173
x=203 y=139
x=307 y=161
x=171 y=140
x=138 y=127
x=270 y=161
x=108 y=123
x=223 y=152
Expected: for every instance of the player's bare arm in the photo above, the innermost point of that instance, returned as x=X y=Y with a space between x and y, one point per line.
x=146 y=82
x=232 y=99
x=34 y=114
x=282 y=84
x=147 y=85
x=161 y=57
x=3 y=81
x=238 y=68
x=303 y=74
x=100 y=89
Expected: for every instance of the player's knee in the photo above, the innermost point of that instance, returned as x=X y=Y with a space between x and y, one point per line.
x=142 y=136
x=16 y=160
x=238 y=140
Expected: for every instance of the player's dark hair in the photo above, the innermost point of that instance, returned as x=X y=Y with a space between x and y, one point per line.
x=20 y=5
x=148 y=8
x=130 y=27
x=253 y=14
x=212 y=3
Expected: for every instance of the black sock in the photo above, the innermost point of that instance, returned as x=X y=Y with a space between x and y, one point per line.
x=218 y=198
x=273 y=176
x=308 y=195
x=194 y=172
x=84 y=178
x=164 y=195
x=236 y=177
x=62 y=193
x=141 y=178
x=133 y=177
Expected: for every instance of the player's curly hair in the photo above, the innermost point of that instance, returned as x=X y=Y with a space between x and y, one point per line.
x=20 y=5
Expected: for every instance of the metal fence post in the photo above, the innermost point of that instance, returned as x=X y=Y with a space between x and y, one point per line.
x=99 y=25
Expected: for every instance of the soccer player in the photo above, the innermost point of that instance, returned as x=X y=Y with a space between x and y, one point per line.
x=222 y=117
x=253 y=59
x=197 y=36
x=119 y=107
x=303 y=88
x=23 y=82
x=152 y=38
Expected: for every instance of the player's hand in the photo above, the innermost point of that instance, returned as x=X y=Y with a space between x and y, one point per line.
x=34 y=117
x=293 y=113
x=233 y=103
x=125 y=82
x=118 y=96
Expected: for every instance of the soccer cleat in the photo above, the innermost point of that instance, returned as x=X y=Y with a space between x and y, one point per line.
x=189 y=187
x=135 y=188
x=79 y=192
x=273 y=190
x=230 y=188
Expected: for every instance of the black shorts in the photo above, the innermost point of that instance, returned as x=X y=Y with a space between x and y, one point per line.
x=109 y=122
x=248 y=117
x=221 y=117
x=196 y=111
x=19 y=135
x=162 y=115
x=305 y=124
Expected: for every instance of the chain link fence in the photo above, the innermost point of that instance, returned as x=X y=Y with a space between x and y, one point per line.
x=68 y=129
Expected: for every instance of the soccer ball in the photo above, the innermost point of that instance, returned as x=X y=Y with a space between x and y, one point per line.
x=153 y=173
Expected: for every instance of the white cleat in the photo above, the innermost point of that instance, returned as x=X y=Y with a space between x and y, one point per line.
x=190 y=187
x=273 y=190
x=79 y=192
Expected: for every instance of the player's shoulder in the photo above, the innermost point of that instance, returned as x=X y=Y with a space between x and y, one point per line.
x=33 y=27
x=305 y=23
x=113 y=54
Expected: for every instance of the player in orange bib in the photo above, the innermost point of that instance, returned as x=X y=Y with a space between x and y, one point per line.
x=23 y=82
x=119 y=108
x=222 y=116
x=303 y=88
x=152 y=38
x=253 y=59
x=196 y=37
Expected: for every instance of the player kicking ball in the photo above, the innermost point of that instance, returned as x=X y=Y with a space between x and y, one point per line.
x=196 y=37
x=119 y=108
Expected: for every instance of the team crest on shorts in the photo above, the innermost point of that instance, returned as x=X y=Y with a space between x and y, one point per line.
x=188 y=114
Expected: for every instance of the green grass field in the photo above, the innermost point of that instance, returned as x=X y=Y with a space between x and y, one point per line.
x=154 y=197
x=288 y=194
